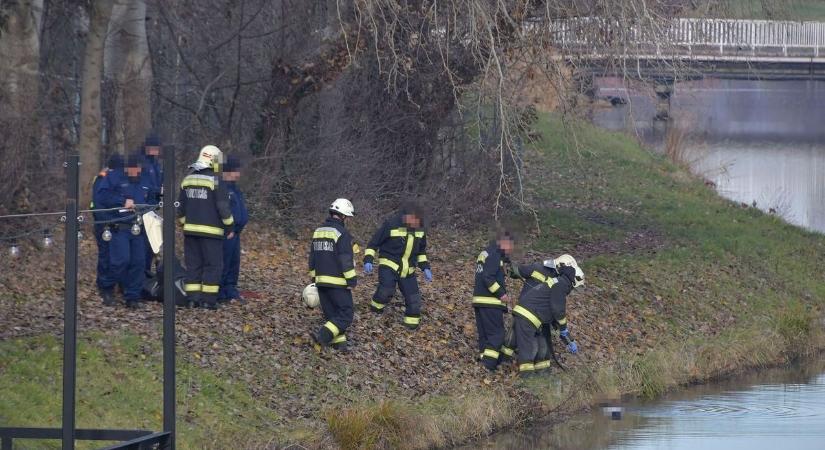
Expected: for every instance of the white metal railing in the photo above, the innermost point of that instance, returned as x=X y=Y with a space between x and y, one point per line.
x=687 y=33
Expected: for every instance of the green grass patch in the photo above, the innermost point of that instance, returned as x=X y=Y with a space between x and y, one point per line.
x=119 y=386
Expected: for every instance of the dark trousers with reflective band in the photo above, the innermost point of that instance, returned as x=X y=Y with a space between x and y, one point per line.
x=126 y=253
x=387 y=280
x=528 y=339
x=490 y=327
x=544 y=348
x=204 y=265
x=231 y=268
x=105 y=281
x=336 y=304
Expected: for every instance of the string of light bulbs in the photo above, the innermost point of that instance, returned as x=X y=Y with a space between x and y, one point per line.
x=135 y=215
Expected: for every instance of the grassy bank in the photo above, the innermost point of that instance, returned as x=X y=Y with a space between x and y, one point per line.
x=683 y=287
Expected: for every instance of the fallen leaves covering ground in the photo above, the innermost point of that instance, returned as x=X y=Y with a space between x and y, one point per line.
x=264 y=343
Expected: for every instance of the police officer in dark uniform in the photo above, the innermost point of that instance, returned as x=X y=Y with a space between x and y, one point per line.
x=152 y=177
x=232 y=246
x=545 y=304
x=206 y=218
x=490 y=300
x=126 y=249
x=105 y=281
x=332 y=268
x=401 y=245
x=533 y=275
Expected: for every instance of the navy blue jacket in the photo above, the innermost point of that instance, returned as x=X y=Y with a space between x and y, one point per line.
x=114 y=190
x=238 y=206
x=151 y=176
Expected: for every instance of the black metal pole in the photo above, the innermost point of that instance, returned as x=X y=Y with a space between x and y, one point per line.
x=169 y=268
x=70 y=302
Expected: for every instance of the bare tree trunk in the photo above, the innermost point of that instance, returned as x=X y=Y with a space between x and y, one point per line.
x=128 y=65
x=90 y=110
x=20 y=58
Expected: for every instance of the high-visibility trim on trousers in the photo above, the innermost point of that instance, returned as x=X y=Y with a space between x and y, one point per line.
x=192 y=287
x=341 y=338
x=332 y=329
x=507 y=351
x=526 y=367
x=541 y=365
x=210 y=288
x=377 y=305
x=490 y=353
x=527 y=314
x=409 y=320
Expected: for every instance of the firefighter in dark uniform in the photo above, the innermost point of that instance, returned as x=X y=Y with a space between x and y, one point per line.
x=545 y=304
x=533 y=275
x=126 y=249
x=206 y=218
x=332 y=268
x=490 y=300
x=401 y=246
x=232 y=247
x=152 y=177
x=105 y=281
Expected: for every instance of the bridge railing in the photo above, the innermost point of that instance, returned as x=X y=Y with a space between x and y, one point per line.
x=687 y=35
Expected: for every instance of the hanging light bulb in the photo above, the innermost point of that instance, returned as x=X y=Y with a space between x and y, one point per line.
x=107 y=235
x=47 y=240
x=136 y=229
x=14 y=250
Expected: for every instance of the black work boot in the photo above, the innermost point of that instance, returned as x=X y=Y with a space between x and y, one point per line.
x=108 y=298
x=212 y=306
x=134 y=304
x=341 y=347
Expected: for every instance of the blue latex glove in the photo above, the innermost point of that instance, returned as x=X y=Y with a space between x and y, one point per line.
x=565 y=334
x=572 y=347
x=367 y=268
x=428 y=275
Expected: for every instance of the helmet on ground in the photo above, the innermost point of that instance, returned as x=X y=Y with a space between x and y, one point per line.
x=310 y=296
x=565 y=260
x=579 y=281
x=210 y=155
x=342 y=206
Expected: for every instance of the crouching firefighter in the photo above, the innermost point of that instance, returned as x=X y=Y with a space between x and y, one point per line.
x=332 y=268
x=490 y=300
x=533 y=275
x=206 y=218
x=401 y=246
x=545 y=304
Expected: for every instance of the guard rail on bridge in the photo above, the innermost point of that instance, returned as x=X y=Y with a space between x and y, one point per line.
x=718 y=38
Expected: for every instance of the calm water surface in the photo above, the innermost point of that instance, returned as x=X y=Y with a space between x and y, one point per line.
x=759 y=142
x=776 y=409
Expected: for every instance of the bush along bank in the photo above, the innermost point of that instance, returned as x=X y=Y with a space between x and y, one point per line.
x=683 y=287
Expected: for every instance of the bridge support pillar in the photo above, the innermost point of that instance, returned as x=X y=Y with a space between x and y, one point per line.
x=664 y=91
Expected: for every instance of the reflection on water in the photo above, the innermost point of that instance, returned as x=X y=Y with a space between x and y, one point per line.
x=772 y=410
x=759 y=142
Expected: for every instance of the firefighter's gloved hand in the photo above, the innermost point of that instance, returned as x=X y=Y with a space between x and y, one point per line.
x=572 y=347
x=367 y=268
x=565 y=334
x=428 y=275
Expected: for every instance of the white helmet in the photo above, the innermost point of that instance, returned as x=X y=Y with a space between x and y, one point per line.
x=567 y=260
x=343 y=206
x=310 y=296
x=210 y=155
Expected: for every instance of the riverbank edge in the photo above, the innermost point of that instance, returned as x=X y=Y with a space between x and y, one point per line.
x=452 y=421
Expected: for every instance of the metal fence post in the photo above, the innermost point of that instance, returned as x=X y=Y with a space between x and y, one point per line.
x=70 y=302
x=169 y=269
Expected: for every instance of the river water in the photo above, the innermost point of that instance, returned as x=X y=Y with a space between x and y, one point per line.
x=771 y=410
x=759 y=142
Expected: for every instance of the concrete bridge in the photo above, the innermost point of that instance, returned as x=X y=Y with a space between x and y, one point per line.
x=691 y=48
